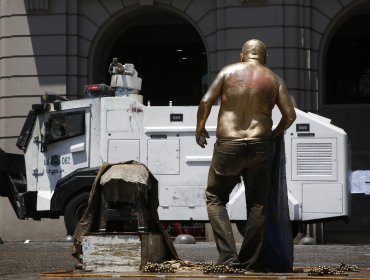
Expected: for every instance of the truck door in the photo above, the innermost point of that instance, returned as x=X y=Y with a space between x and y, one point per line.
x=65 y=149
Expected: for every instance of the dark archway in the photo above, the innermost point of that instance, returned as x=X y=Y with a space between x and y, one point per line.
x=346 y=99
x=166 y=50
x=348 y=63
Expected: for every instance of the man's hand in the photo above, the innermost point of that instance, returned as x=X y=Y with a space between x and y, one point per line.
x=201 y=138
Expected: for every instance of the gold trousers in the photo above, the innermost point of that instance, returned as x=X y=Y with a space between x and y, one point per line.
x=251 y=160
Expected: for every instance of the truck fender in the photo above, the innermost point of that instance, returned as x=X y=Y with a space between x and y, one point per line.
x=73 y=184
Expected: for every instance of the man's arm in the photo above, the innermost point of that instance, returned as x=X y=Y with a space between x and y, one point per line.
x=286 y=108
x=204 y=109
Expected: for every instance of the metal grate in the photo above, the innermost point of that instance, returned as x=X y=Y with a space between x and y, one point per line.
x=314 y=159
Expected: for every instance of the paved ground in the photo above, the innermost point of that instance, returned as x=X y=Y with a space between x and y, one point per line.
x=27 y=260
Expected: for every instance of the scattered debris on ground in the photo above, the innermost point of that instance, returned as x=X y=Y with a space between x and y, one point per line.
x=341 y=270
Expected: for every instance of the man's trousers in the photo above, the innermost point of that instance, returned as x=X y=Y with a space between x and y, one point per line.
x=233 y=159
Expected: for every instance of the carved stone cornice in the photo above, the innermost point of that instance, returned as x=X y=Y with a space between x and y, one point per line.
x=36 y=5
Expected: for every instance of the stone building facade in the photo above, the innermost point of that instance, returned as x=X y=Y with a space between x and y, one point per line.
x=320 y=48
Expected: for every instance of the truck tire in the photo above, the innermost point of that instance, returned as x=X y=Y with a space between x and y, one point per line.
x=74 y=210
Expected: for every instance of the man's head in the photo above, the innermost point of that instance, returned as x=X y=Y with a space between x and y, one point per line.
x=253 y=49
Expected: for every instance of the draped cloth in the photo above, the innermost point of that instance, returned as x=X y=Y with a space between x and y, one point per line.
x=130 y=172
x=277 y=255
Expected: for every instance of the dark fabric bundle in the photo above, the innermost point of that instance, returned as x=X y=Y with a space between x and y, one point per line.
x=278 y=252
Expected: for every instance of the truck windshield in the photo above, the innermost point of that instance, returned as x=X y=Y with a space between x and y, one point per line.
x=66 y=125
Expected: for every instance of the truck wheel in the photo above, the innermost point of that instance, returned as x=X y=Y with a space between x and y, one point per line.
x=74 y=210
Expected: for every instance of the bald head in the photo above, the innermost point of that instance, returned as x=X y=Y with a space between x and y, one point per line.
x=253 y=49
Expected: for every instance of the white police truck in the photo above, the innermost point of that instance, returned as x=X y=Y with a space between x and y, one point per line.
x=66 y=141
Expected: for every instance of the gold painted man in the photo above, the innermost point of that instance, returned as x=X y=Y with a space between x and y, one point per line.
x=248 y=91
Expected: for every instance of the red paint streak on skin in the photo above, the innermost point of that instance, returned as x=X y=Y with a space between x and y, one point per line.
x=253 y=79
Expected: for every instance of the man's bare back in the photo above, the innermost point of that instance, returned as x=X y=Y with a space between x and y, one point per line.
x=248 y=96
x=248 y=91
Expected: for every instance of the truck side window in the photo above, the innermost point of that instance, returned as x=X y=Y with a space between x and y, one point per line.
x=66 y=125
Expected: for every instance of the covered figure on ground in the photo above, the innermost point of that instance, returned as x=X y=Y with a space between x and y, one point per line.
x=248 y=91
x=126 y=183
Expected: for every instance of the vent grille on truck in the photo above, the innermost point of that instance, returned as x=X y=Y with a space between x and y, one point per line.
x=314 y=159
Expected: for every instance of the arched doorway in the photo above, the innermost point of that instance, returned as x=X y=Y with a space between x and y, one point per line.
x=348 y=63
x=346 y=99
x=166 y=50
